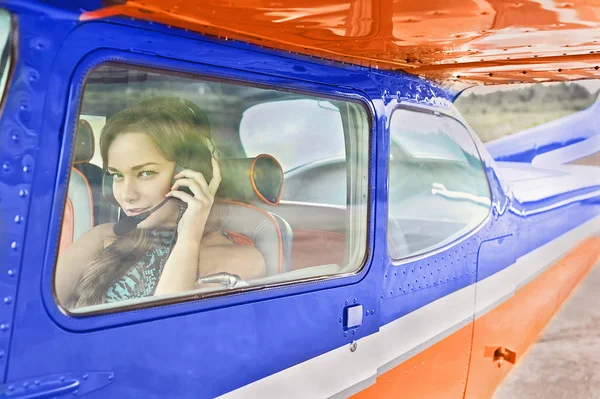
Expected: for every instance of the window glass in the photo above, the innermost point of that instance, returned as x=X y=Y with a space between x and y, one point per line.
x=437 y=185
x=497 y=111
x=315 y=166
x=262 y=219
x=5 y=47
x=315 y=125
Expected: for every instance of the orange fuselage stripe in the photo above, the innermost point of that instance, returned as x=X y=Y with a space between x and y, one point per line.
x=441 y=370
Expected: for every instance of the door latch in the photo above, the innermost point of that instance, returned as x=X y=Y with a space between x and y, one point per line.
x=500 y=354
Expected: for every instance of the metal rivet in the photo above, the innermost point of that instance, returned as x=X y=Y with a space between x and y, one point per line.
x=15 y=136
x=353 y=346
x=25 y=169
x=4 y=326
x=75 y=392
x=2 y=353
x=6 y=166
x=11 y=272
x=110 y=377
x=25 y=384
x=13 y=245
x=85 y=376
x=23 y=107
x=8 y=300
x=355 y=300
x=19 y=219
x=23 y=193
x=37 y=382
x=11 y=387
x=372 y=311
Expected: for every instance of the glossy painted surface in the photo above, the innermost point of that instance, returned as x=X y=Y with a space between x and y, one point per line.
x=515 y=324
x=208 y=348
x=530 y=145
x=478 y=41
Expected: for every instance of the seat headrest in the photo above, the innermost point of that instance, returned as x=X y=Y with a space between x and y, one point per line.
x=251 y=180
x=84 y=142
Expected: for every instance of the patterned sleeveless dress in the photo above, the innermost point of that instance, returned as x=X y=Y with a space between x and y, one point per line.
x=141 y=280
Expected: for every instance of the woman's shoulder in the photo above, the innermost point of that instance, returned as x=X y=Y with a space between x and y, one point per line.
x=97 y=235
x=103 y=230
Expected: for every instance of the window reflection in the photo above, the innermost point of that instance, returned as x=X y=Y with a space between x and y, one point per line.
x=182 y=186
x=438 y=190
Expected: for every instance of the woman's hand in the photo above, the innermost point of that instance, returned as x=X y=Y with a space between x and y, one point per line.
x=192 y=224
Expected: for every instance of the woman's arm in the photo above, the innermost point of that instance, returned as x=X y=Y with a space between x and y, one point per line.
x=73 y=261
x=179 y=273
x=218 y=254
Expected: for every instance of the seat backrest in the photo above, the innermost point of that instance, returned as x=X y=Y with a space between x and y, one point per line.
x=248 y=183
x=78 y=216
x=84 y=194
x=396 y=240
x=257 y=225
x=104 y=211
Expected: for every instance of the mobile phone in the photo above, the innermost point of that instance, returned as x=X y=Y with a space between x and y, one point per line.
x=179 y=168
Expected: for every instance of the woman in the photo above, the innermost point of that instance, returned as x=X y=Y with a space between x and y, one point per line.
x=141 y=148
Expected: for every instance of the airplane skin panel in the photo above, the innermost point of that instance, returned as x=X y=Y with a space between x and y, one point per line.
x=511 y=324
x=430 y=313
x=421 y=348
x=580 y=128
x=474 y=41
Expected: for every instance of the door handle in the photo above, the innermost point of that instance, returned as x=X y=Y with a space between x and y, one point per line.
x=499 y=354
x=56 y=385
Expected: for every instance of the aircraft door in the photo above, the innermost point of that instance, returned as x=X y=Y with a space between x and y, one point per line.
x=243 y=320
x=438 y=198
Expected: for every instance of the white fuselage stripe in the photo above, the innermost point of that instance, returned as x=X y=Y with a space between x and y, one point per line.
x=342 y=371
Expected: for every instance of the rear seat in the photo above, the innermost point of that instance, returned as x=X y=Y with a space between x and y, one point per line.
x=104 y=212
x=85 y=206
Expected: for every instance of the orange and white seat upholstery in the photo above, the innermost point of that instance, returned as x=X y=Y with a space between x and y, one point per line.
x=248 y=183
x=85 y=206
x=78 y=215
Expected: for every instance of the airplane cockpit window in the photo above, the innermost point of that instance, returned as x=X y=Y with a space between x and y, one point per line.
x=5 y=48
x=438 y=189
x=318 y=157
x=182 y=187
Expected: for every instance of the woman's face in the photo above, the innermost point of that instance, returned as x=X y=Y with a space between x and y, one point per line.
x=141 y=178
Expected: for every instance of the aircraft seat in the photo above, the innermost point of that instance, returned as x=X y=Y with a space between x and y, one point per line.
x=396 y=240
x=248 y=183
x=84 y=206
x=104 y=212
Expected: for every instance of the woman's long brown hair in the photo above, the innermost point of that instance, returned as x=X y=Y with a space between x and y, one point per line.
x=178 y=129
